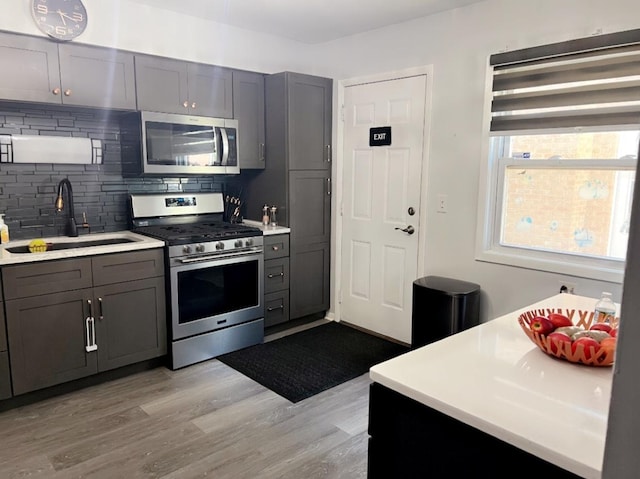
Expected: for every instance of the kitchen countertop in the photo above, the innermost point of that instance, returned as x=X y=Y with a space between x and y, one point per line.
x=139 y=242
x=268 y=229
x=495 y=379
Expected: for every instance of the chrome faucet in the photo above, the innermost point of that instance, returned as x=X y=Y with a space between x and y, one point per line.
x=71 y=228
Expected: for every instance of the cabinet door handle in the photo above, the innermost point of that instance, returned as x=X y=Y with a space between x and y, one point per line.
x=67 y=93
x=329 y=186
x=261 y=151
x=193 y=105
x=91 y=329
x=56 y=91
x=185 y=104
x=100 y=313
x=273 y=309
x=275 y=275
x=91 y=335
x=328 y=153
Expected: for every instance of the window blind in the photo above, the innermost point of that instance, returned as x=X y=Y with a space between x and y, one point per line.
x=583 y=83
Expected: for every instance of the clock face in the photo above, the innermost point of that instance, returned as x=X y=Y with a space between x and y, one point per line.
x=60 y=19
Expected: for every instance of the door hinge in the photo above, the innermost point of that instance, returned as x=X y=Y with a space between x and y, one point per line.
x=342 y=113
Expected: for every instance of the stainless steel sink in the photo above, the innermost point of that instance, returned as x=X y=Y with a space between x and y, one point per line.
x=73 y=244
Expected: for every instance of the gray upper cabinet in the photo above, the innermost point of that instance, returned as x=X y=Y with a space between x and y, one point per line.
x=68 y=74
x=248 y=109
x=97 y=77
x=174 y=86
x=309 y=121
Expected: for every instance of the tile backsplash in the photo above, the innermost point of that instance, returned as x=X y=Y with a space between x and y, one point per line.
x=28 y=191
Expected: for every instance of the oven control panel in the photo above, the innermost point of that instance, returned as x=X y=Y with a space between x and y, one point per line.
x=218 y=247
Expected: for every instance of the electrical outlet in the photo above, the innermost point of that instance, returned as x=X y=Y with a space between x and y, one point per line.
x=567 y=287
x=442 y=204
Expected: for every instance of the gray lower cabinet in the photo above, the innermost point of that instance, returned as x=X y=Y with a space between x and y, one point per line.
x=174 y=86
x=248 y=109
x=276 y=279
x=310 y=279
x=68 y=74
x=5 y=377
x=57 y=335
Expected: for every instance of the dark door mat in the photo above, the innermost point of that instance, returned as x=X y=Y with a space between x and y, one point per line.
x=306 y=363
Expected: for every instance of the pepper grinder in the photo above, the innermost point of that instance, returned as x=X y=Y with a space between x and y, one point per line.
x=273 y=220
x=265 y=215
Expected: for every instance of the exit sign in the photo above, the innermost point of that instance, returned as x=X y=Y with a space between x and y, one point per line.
x=380 y=136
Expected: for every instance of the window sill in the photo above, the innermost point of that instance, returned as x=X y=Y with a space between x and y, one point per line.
x=579 y=267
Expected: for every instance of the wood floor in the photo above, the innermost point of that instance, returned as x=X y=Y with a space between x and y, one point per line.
x=206 y=420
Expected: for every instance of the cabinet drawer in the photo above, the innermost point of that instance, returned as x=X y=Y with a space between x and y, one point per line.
x=46 y=277
x=5 y=378
x=3 y=330
x=116 y=268
x=276 y=246
x=276 y=275
x=276 y=308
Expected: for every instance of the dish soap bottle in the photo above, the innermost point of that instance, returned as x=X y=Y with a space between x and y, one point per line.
x=4 y=231
x=605 y=310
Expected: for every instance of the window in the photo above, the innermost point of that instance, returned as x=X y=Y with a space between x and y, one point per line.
x=563 y=145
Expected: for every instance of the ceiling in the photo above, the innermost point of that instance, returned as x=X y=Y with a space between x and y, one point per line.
x=308 y=21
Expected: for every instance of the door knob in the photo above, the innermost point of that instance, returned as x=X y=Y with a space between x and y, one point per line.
x=409 y=230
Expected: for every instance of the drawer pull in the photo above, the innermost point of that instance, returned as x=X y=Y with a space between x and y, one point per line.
x=275 y=248
x=273 y=309
x=275 y=275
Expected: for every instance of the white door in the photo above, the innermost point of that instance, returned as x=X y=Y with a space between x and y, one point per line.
x=381 y=198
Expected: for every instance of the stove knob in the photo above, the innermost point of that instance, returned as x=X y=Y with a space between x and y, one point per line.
x=219 y=245
x=200 y=248
x=249 y=242
x=186 y=249
x=238 y=244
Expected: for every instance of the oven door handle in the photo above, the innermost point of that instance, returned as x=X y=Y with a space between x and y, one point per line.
x=199 y=259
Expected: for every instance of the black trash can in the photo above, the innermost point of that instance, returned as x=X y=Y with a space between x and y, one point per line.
x=442 y=307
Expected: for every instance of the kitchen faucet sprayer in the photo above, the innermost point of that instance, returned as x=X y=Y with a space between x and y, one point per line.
x=71 y=227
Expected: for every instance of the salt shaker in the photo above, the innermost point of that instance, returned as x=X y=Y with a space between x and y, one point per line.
x=265 y=215
x=274 y=221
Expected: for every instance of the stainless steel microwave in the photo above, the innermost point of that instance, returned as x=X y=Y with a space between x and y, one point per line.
x=165 y=144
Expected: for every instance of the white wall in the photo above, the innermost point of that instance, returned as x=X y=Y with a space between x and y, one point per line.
x=457 y=43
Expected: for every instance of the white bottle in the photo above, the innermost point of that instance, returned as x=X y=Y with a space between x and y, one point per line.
x=605 y=310
x=4 y=231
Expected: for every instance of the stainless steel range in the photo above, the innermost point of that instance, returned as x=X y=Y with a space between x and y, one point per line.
x=215 y=284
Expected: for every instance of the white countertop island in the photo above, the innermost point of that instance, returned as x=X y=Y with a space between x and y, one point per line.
x=492 y=377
